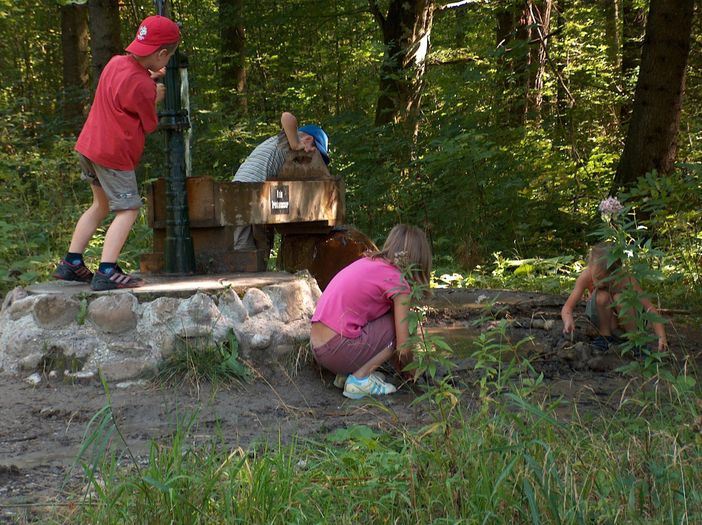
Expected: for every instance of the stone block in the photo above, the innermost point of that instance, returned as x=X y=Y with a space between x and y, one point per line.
x=114 y=314
x=161 y=310
x=21 y=307
x=55 y=311
x=291 y=300
x=131 y=347
x=232 y=307
x=13 y=295
x=131 y=368
x=30 y=361
x=256 y=301
x=199 y=316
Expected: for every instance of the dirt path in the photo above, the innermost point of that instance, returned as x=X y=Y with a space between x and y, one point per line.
x=42 y=426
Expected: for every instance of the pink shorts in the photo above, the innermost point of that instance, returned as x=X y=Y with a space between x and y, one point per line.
x=342 y=355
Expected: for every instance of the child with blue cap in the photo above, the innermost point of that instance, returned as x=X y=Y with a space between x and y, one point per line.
x=267 y=159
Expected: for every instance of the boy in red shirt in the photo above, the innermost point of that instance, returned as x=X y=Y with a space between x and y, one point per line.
x=110 y=146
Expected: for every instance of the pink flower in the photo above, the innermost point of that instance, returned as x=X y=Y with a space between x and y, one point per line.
x=610 y=206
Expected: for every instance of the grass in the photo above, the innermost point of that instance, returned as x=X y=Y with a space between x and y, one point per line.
x=517 y=466
x=511 y=460
x=195 y=362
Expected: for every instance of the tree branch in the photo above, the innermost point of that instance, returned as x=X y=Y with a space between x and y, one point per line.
x=542 y=39
x=458 y=60
x=454 y=5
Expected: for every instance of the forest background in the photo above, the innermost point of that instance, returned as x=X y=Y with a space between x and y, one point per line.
x=498 y=126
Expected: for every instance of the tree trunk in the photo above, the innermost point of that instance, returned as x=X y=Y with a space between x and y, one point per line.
x=233 y=45
x=651 y=138
x=633 y=21
x=612 y=16
x=105 y=39
x=513 y=34
x=564 y=100
x=540 y=19
x=461 y=28
x=406 y=30
x=74 y=47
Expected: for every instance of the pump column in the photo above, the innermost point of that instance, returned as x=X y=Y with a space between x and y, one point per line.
x=179 y=256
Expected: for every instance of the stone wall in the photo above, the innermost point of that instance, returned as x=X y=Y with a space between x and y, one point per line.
x=127 y=334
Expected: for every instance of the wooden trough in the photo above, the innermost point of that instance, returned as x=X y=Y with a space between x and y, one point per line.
x=298 y=209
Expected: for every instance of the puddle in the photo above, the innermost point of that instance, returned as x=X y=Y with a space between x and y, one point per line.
x=460 y=338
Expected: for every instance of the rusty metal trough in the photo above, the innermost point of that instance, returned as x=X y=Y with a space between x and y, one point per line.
x=300 y=210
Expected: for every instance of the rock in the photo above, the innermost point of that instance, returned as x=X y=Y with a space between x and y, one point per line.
x=260 y=340
x=55 y=311
x=129 y=348
x=12 y=297
x=129 y=384
x=282 y=351
x=232 y=307
x=583 y=351
x=291 y=301
x=568 y=354
x=256 y=301
x=605 y=363
x=19 y=339
x=114 y=314
x=20 y=308
x=31 y=361
x=296 y=332
x=82 y=377
x=34 y=379
x=129 y=368
x=199 y=316
x=160 y=311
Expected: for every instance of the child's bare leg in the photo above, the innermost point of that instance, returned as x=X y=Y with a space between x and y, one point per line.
x=377 y=360
x=90 y=220
x=605 y=313
x=117 y=234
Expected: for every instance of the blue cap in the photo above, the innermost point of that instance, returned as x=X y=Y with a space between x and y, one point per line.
x=321 y=141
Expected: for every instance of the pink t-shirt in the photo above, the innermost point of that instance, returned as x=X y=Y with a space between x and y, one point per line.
x=361 y=292
x=123 y=112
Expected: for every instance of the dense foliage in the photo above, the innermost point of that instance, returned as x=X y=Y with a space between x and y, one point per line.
x=479 y=180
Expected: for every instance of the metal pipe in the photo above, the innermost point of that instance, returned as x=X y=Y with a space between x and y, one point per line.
x=179 y=255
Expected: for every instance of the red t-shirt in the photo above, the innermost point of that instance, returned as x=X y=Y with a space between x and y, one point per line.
x=123 y=112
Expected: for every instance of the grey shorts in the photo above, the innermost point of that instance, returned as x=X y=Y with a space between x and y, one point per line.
x=342 y=355
x=120 y=186
x=591 y=309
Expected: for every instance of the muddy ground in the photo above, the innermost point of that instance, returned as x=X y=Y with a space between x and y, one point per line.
x=42 y=426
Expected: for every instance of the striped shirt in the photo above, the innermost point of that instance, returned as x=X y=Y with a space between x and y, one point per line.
x=265 y=160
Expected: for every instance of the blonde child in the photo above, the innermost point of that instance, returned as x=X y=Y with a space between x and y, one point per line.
x=361 y=318
x=605 y=283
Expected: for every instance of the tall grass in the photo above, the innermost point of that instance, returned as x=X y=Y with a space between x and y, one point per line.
x=513 y=461
x=519 y=466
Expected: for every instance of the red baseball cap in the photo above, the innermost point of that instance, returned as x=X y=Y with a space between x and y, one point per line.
x=153 y=33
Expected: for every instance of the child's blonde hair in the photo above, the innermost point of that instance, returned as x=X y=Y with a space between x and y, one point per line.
x=407 y=246
x=599 y=258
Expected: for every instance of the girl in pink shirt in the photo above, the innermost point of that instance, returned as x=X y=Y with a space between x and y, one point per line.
x=361 y=318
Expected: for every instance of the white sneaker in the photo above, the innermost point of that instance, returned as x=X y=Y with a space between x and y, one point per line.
x=340 y=379
x=370 y=386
